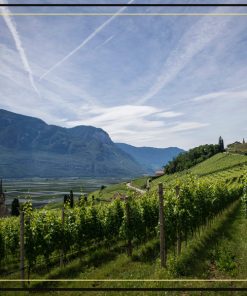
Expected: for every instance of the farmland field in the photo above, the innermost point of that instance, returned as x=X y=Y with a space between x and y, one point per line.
x=45 y=191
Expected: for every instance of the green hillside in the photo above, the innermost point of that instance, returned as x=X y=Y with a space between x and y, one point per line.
x=211 y=243
x=219 y=162
x=238 y=148
x=223 y=165
x=188 y=159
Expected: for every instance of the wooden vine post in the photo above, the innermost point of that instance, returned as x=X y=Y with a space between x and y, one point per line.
x=162 y=227
x=22 y=250
x=62 y=251
x=179 y=239
x=129 y=243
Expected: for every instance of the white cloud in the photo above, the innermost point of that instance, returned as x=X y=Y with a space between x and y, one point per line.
x=192 y=42
x=124 y=115
x=89 y=38
x=89 y=90
x=184 y=126
x=58 y=95
x=137 y=125
x=221 y=95
x=12 y=28
x=169 y=114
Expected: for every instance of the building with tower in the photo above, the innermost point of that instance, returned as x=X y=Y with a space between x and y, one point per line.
x=3 y=208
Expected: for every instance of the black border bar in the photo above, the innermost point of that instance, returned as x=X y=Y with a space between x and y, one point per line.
x=121 y=289
x=127 y=5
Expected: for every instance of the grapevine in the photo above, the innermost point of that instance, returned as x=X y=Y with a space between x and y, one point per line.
x=46 y=233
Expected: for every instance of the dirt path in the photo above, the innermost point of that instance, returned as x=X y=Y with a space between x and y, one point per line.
x=135 y=188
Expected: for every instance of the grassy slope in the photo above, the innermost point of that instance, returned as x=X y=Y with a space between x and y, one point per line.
x=228 y=257
x=238 y=148
x=224 y=164
x=219 y=162
x=109 y=191
x=227 y=164
x=140 y=182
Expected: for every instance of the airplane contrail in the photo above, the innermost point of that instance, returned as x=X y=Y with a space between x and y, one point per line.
x=90 y=37
x=191 y=43
x=12 y=28
x=104 y=43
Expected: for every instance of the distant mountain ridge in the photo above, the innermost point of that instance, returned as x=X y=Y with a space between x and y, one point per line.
x=30 y=147
x=150 y=158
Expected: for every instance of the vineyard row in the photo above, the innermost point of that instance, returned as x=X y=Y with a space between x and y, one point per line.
x=171 y=213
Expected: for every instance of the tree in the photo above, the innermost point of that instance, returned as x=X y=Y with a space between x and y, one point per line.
x=102 y=187
x=243 y=141
x=71 y=199
x=15 y=207
x=65 y=198
x=101 y=190
x=221 y=144
x=190 y=158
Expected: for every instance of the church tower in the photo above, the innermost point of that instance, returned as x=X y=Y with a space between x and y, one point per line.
x=3 y=208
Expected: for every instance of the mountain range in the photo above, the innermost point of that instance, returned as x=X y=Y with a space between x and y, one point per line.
x=31 y=148
x=152 y=159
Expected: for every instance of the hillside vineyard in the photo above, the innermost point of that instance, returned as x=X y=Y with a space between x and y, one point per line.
x=189 y=205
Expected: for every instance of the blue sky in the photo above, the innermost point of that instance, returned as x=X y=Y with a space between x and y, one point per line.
x=146 y=80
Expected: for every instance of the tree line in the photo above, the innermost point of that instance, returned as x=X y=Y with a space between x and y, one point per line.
x=186 y=160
